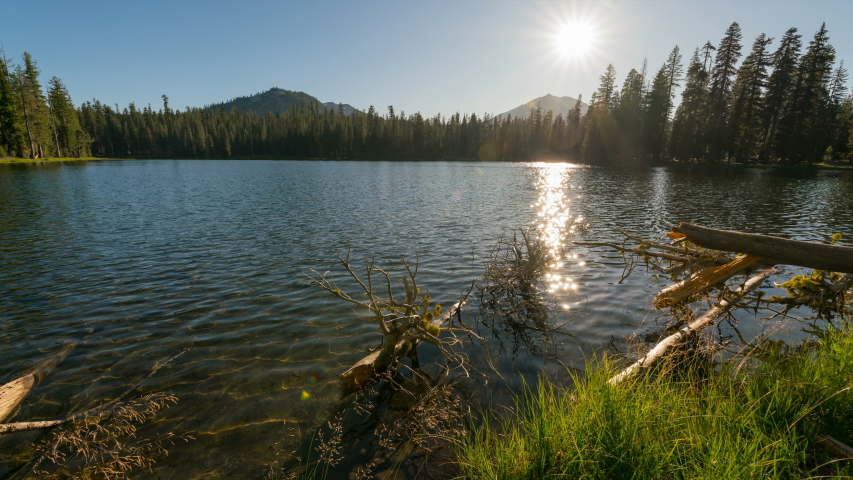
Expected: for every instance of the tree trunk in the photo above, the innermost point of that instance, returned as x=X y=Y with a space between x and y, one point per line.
x=722 y=307
x=775 y=250
x=705 y=278
x=27 y=117
x=380 y=360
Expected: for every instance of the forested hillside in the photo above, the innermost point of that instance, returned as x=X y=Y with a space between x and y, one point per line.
x=782 y=102
x=275 y=100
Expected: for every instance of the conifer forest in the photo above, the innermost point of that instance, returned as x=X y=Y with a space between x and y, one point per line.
x=779 y=100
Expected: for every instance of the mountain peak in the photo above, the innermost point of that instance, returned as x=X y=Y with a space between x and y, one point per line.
x=278 y=100
x=558 y=105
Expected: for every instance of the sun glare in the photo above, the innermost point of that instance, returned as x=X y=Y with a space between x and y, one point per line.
x=575 y=39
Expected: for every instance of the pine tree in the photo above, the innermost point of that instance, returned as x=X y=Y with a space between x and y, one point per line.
x=11 y=135
x=747 y=105
x=36 y=113
x=837 y=115
x=629 y=116
x=600 y=143
x=803 y=128
x=686 y=141
x=674 y=70
x=719 y=96
x=780 y=88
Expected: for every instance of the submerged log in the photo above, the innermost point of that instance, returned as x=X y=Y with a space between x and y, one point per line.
x=14 y=392
x=6 y=428
x=705 y=278
x=721 y=308
x=375 y=363
x=833 y=258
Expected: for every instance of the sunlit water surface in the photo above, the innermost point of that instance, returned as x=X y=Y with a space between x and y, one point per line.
x=138 y=260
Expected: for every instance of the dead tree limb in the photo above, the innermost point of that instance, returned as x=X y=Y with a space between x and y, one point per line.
x=6 y=428
x=375 y=363
x=13 y=393
x=833 y=258
x=721 y=308
x=666 y=256
x=705 y=278
x=835 y=447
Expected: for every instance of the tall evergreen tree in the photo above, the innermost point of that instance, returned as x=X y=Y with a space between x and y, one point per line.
x=837 y=116
x=687 y=141
x=780 y=88
x=35 y=110
x=803 y=131
x=11 y=135
x=747 y=105
x=674 y=70
x=654 y=123
x=629 y=116
x=719 y=96
x=600 y=143
x=68 y=136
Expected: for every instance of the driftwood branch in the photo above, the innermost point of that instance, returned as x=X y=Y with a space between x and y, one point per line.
x=666 y=256
x=705 y=278
x=721 y=308
x=6 y=428
x=376 y=362
x=833 y=258
x=14 y=392
x=835 y=447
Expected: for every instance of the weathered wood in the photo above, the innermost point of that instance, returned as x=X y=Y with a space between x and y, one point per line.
x=777 y=250
x=705 y=278
x=13 y=393
x=372 y=364
x=835 y=447
x=666 y=256
x=42 y=424
x=696 y=325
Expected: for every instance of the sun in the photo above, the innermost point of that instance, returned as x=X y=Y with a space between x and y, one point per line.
x=575 y=39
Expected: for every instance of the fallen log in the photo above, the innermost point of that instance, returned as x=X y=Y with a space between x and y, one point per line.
x=6 y=428
x=722 y=307
x=833 y=258
x=705 y=278
x=14 y=392
x=835 y=447
x=374 y=363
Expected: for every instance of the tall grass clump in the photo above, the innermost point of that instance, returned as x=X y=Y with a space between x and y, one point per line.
x=746 y=419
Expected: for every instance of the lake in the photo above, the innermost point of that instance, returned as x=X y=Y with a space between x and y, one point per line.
x=139 y=259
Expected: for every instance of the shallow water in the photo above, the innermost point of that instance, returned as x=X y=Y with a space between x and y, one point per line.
x=138 y=260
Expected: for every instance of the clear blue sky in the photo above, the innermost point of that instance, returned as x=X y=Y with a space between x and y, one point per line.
x=427 y=56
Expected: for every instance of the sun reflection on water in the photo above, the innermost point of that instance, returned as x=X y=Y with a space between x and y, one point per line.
x=556 y=222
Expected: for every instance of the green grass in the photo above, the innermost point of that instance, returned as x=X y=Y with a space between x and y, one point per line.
x=756 y=422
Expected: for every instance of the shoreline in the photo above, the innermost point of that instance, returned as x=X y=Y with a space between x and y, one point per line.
x=13 y=161
x=680 y=165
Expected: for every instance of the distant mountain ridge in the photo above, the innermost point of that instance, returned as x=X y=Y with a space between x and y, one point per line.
x=278 y=100
x=348 y=109
x=558 y=105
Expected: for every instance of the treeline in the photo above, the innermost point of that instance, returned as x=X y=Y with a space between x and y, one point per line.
x=789 y=104
x=35 y=125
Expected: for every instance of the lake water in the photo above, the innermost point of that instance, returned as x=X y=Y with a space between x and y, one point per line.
x=139 y=259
